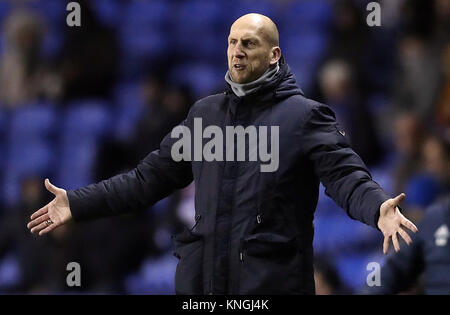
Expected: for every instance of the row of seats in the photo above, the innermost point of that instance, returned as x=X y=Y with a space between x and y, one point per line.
x=148 y=31
x=48 y=139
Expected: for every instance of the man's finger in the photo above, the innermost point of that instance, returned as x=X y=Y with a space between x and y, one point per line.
x=409 y=225
x=385 y=245
x=395 y=242
x=48 y=229
x=399 y=199
x=39 y=227
x=40 y=212
x=405 y=236
x=50 y=187
x=38 y=220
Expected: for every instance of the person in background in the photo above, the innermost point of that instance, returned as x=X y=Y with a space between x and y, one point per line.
x=336 y=79
x=24 y=75
x=431 y=180
x=327 y=279
x=427 y=257
x=409 y=134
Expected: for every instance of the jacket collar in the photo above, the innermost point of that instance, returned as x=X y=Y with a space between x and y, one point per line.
x=282 y=86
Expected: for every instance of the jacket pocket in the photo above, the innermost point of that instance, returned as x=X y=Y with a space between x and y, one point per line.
x=269 y=264
x=189 y=273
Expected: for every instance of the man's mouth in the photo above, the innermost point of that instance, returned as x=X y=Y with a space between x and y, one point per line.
x=239 y=66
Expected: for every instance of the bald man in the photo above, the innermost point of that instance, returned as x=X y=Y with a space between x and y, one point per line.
x=256 y=153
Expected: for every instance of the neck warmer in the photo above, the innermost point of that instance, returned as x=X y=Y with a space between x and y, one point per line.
x=251 y=87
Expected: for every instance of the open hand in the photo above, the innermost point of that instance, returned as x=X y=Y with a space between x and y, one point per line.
x=55 y=213
x=391 y=221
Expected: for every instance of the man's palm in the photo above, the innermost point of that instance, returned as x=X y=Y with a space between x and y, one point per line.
x=391 y=221
x=57 y=210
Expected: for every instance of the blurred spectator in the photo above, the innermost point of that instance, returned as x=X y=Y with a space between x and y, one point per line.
x=89 y=58
x=441 y=22
x=408 y=138
x=23 y=74
x=443 y=100
x=428 y=255
x=42 y=261
x=349 y=33
x=165 y=107
x=430 y=180
x=418 y=77
x=436 y=160
x=327 y=278
x=337 y=83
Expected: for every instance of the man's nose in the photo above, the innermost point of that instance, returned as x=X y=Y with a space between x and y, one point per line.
x=238 y=53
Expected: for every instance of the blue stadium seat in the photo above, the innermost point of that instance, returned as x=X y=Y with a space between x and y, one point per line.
x=325 y=205
x=33 y=158
x=86 y=120
x=335 y=231
x=204 y=79
x=5 y=9
x=76 y=164
x=143 y=44
x=238 y=8
x=305 y=46
x=53 y=42
x=306 y=15
x=187 y=22
x=53 y=11
x=153 y=13
x=210 y=46
x=382 y=174
x=109 y=12
x=303 y=53
x=32 y=122
x=154 y=277
x=10 y=273
x=143 y=34
x=129 y=106
x=352 y=268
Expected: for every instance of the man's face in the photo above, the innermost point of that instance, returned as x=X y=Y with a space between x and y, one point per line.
x=248 y=53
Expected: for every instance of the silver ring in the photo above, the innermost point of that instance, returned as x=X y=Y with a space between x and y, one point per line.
x=48 y=222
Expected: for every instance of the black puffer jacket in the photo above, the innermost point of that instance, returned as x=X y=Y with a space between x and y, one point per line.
x=254 y=229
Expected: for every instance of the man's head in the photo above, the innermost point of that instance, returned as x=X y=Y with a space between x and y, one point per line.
x=253 y=46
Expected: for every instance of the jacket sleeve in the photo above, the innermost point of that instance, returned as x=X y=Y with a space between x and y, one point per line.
x=345 y=177
x=155 y=177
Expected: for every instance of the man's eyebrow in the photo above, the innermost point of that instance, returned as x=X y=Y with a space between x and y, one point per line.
x=245 y=38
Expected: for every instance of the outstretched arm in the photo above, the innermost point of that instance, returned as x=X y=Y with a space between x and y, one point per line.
x=155 y=177
x=347 y=179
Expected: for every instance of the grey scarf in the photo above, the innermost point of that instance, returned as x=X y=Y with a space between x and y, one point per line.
x=249 y=88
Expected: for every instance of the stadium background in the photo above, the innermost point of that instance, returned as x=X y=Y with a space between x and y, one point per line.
x=80 y=104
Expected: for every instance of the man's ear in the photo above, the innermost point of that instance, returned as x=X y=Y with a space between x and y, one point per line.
x=275 y=55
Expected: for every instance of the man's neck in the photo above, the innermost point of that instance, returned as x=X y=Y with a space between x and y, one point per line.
x=245 y=89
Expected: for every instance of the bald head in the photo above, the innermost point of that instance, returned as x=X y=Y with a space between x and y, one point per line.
x=253 y=46
x=264 y=26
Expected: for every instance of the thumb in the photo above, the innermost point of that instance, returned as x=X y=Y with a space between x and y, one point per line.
x=399 y=198
x=50 y=187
